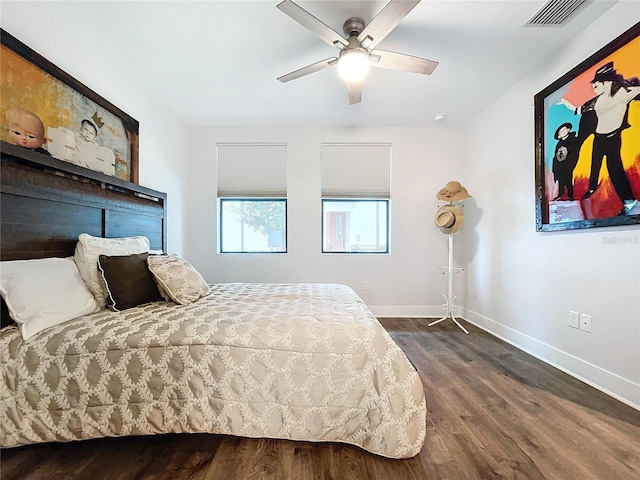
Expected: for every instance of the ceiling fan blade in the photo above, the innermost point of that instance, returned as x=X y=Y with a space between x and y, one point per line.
x=401 y=61
x=310 y=22
x=314 y=67
x=388 y=19
x=355 y=92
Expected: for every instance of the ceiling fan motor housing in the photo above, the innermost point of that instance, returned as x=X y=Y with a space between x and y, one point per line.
x=353 y=27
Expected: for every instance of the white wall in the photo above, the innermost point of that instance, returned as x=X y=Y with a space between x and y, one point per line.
x=521 y=284
x=52 y=30
x=406 y=282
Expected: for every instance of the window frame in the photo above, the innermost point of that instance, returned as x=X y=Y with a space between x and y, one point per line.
x=221 y=200
x=387 y=201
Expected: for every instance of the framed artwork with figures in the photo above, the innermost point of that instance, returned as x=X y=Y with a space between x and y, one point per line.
x=587 y=136
x=45 y=110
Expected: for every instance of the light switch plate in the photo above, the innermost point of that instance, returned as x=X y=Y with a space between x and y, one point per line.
x=574 y=319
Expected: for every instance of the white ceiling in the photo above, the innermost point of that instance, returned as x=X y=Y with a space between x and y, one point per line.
x=216 y=62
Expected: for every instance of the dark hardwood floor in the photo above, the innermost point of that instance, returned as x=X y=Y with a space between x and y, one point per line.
x=494 y=412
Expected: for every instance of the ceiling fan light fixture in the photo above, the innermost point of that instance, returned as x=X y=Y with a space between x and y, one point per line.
x=353 y=64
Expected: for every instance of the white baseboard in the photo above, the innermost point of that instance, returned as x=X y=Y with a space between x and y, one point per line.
x=614 y=385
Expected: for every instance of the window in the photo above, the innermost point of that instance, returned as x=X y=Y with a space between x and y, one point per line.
x=252 y=202
x=356 y=182
x=253 y=225
x=355 y=226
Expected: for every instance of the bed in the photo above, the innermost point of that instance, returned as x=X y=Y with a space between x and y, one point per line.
x=294 y=361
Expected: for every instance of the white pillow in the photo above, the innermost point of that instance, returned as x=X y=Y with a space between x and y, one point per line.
x=89 y=248
x=45 y=292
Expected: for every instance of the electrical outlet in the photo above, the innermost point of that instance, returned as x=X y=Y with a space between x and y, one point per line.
x=574 y=319
x=585 y=322
x=366 y=285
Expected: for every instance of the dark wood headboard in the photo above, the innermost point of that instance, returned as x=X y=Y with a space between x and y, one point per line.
x=46 y=203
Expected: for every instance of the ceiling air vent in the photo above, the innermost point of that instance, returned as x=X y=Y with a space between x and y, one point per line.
x=555 y=13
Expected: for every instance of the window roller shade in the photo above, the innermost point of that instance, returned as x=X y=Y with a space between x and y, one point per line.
x=356 y=171
x=252 y=170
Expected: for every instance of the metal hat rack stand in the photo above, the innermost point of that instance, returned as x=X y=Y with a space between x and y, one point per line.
x=449 y=299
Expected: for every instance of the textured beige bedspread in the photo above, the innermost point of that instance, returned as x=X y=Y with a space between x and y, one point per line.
x=296 y=361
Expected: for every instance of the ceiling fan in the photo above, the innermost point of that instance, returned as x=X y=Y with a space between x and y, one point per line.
x=357 y=49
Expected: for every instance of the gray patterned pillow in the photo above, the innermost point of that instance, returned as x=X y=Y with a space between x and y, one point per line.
x=177 y=278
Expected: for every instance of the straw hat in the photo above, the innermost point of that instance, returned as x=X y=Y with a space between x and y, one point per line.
x=449 y=219
x=453 y=192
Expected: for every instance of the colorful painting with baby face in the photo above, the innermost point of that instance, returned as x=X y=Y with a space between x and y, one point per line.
x=41 y=113
x=591 y=140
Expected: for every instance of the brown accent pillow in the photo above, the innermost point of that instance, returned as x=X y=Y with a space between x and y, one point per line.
x=128 y=281
x=5 y=317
